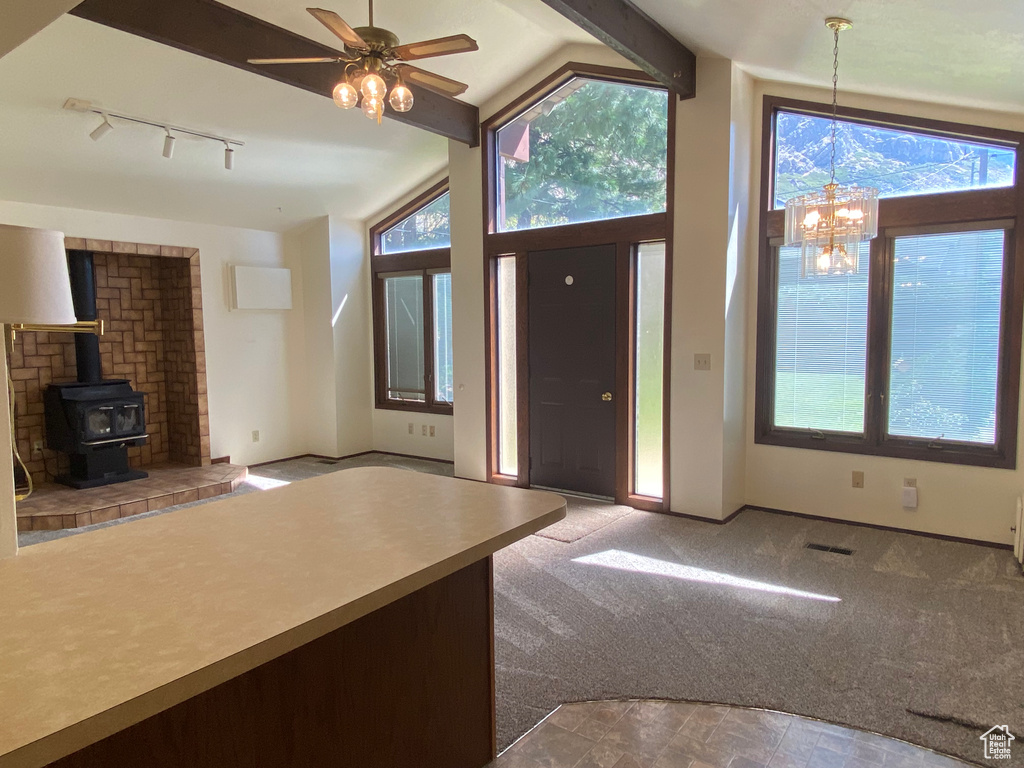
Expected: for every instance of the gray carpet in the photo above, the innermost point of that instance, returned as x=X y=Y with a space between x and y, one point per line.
x=583 y=517
x=920 y=624
x=649 y=606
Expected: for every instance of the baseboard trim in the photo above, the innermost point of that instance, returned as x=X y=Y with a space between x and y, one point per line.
x=411 y=456
x=349 y=456
x=311 y=456
x=893 y=529
x=728 y=519
x=221 y=460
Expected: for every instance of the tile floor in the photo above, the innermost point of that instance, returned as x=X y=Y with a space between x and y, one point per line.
x=675 y=734
x=53 y=507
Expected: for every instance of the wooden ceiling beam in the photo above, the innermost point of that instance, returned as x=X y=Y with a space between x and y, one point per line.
x=630 y=32
x=216 y=31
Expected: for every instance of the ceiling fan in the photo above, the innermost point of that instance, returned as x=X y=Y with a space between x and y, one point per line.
x=373 y=56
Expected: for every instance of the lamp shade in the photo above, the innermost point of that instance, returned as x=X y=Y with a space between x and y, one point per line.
x=34 y=282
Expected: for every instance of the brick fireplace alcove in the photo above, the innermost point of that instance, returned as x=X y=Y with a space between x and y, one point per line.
x=150 y=299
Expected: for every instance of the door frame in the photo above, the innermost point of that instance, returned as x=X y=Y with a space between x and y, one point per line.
x=624 y=233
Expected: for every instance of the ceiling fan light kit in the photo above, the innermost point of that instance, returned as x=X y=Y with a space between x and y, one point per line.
x=374 y=58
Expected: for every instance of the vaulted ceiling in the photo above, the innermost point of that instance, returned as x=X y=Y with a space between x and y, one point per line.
x=304 y=157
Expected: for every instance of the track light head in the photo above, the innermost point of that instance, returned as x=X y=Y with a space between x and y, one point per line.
x=168 y=146
x=229 y=157
x=102 y=129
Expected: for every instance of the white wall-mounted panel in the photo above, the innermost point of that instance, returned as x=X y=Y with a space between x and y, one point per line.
x=261 y=287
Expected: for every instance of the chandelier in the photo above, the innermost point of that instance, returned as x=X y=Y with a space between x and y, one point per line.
x=830 y=224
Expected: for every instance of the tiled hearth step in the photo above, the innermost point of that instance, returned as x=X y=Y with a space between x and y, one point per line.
x=53 y=507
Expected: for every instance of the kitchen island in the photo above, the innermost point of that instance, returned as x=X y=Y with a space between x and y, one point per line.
x=345 y=620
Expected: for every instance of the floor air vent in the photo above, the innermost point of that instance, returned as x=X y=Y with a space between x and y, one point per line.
x=826 y=548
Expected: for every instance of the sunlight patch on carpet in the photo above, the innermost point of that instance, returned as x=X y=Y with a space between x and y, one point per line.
x=265 y=483
x=627 y=561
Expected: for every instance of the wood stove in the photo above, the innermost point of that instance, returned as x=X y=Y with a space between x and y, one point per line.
x=93 y=420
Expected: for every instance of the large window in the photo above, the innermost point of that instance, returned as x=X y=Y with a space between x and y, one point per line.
x=588 y=151
x=916 y=354
x=412 y=306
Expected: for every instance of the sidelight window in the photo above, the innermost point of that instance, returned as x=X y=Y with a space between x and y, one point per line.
x=412 y=306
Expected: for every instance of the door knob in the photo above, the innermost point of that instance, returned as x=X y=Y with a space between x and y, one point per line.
x=606 y=396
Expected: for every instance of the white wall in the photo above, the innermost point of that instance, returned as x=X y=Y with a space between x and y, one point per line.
x=310 y=246
x=970 y=502
x=351 y=326
x=391 y=434
x=254 y=359
x=708 y=295
x=8 y=521
x=468 y=364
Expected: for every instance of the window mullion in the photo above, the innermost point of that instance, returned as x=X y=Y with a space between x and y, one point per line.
x=428 y=338
x=879 y=309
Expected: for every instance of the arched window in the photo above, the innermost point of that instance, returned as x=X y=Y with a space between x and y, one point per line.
x=412 y=305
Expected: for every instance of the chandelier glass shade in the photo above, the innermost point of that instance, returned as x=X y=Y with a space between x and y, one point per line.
x=829 y=225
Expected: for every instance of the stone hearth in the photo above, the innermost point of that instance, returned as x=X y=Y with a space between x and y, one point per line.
x=53 y=507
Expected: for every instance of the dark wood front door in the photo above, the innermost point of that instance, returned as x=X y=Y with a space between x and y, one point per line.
x=572 y=369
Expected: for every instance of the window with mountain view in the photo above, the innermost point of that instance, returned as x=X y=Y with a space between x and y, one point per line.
x=898 y=162
x=914 y=354
x=591 y=150
x=412 y=306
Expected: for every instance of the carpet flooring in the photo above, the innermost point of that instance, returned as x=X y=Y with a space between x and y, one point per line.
x=583 y=517
x=910 y=637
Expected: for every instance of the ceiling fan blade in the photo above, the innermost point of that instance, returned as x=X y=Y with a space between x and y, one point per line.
x=437 y=83
x=340 y=27
x=322 y=60
x=441 y=46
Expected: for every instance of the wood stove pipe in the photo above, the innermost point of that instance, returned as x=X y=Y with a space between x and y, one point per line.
x=83 y=295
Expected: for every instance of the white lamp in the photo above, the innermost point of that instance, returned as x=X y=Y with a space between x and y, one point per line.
x=35 y=286
x=35 y=289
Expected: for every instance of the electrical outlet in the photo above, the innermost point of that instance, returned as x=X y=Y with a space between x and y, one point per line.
x=431 y=430
x=858 y=479
x=702 y=362
x=255 y=435
x=411 y=428
x=37 y=446
x=910 y=482
x=424 y=430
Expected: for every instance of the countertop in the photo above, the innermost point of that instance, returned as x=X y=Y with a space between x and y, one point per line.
x=101 y=630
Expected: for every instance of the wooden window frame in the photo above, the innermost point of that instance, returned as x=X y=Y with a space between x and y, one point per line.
x=949 y=211
x=427 y=263
x=624 y=233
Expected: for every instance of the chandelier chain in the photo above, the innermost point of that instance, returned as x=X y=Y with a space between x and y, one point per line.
x=835 y=101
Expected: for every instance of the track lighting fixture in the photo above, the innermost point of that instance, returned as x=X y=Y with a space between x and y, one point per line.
x=168 y=145
x=81 y=105
x=102 y=129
